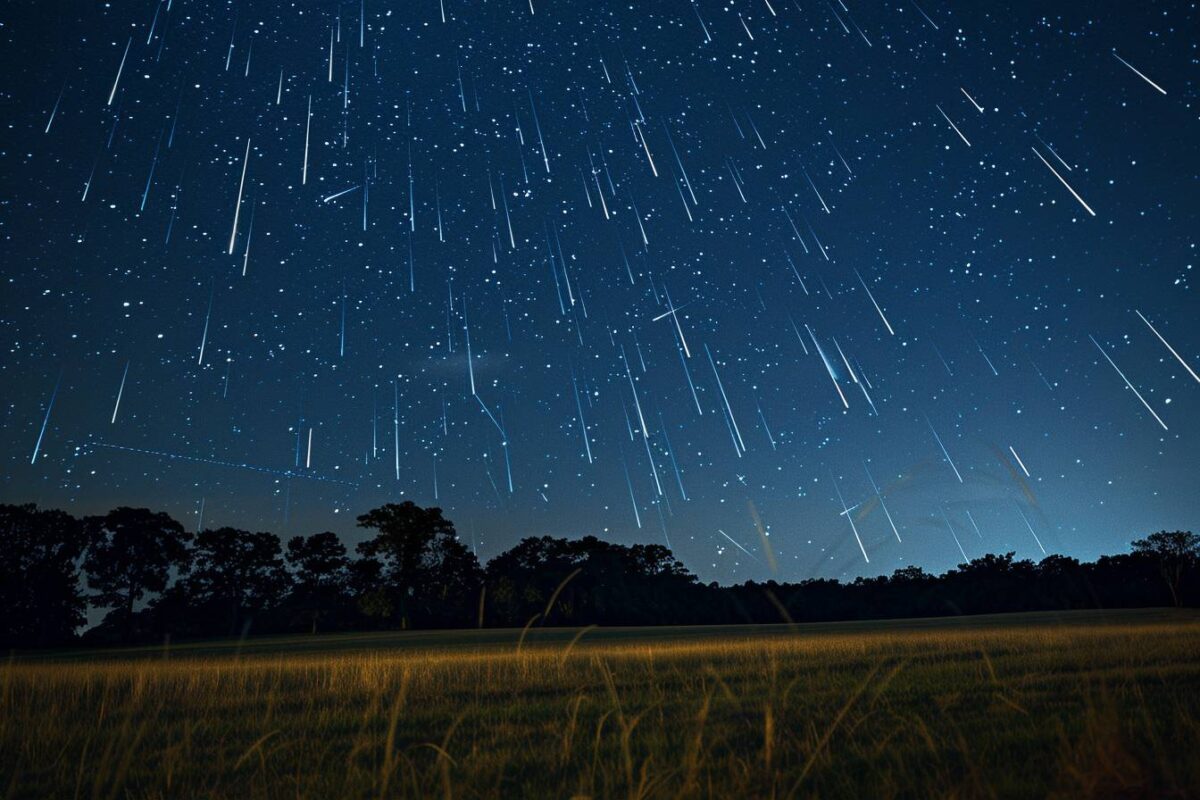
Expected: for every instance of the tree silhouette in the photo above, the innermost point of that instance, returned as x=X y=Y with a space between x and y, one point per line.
x=422 y=563
x=237 y=570
x=415 y=572
x=1175 y=552
x=321 y=570
x=39 y=582
x=132 y=552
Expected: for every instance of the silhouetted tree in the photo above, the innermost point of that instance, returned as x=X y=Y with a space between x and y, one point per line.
x=415 y=571
x=1175 y=552
x=589 y=581
x=426 y=569
x=237 y=570
x=41 y=601
x=321 y=570
x=132 y=553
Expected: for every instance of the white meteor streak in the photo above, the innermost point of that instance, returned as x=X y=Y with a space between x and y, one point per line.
x=1027 y=525
x=237 y=211
x=882 y=504
x=978 y=107
x=955 y=535
x=307 y=128
x=945 y=452
x=1019 y=461
x=46 y=421
x=121 y=69
x=120 y=391
x=877 y=308
x=336 y=195
x=735 y=543
x=1138 y=394
x=828 y=365
x=1178 y=357
x=1138 y=72
x=952 y=125
x=850 y=519
x=1063 y=181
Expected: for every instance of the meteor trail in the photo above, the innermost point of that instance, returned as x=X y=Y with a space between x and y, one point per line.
x=877 y=308
x=336 y=195
x=1138 y=72
x=736 y=544
x=1178 y=357
x=46 y=421
x=241 y=188
x=1063 y=181
x=952 y=125
x=849 y=518
x=1136 y=393
x=121 y=69
x=1019 y=461
x=945 y=452
x=120 y=391
x=978 y=107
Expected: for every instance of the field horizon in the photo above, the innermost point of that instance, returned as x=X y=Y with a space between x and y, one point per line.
x=534 y=635
x=1086 y=704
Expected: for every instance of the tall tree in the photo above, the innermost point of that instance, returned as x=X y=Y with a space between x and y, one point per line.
x=418 y=550
x=40 y=592
x=239 y=571
x=132 y=553
x=321 y=569
x=1175 y=552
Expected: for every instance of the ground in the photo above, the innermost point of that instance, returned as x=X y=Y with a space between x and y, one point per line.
x=1078 y=704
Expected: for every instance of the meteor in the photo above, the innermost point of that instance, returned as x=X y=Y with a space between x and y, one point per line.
x=1138 y=72
x=1063 y=181
x=1138 y=394
x=1178 y=357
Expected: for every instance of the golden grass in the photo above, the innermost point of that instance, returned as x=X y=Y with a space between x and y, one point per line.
x=1102 y=710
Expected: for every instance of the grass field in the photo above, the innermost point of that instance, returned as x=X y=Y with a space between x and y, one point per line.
x=1066 y=705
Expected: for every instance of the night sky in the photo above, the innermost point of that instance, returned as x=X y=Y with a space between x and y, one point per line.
x=696 y=273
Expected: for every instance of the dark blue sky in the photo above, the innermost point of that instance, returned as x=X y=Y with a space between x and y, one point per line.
x=889 y=233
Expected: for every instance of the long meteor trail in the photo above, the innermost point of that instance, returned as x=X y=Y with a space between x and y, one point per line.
x=1063 y=181
x=1139 y=73
x=1166 y=344
x=1132 y=388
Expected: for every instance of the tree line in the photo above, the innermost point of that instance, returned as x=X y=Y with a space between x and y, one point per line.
x=155 y=581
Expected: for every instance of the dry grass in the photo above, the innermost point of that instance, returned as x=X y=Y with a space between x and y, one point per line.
x=1003 y=710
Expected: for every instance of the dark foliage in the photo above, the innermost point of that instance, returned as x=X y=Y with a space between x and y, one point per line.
x=158 y=582
x=131 y=553
x=42 y=601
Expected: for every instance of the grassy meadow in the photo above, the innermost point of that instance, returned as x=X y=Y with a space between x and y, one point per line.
x=1080 y=704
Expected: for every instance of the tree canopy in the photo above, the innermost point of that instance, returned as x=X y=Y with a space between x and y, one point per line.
x=152 y=580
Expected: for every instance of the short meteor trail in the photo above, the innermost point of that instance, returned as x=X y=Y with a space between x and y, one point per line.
x=978 y=107
x=46 y=421
x=850 y=518
x=121 y=69
x=1031 y=531
x=1019 y=461
x=120 y=391
x=882 y=504
x=1138 y=72
x=945 y=452
x=955 y=535
x=952 y=125
x=1063 y=181
x=735 y=543
x=877 y=308
x=336 y=195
